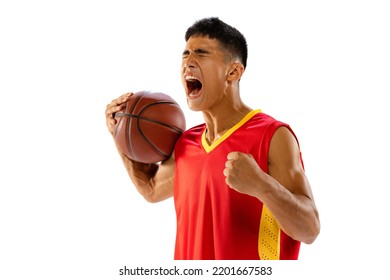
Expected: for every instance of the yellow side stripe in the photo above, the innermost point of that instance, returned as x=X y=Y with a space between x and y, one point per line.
x=269 y=236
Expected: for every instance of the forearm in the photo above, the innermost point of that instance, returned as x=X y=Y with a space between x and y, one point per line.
x=141 y=175
x=153 y=181
x=296 y=215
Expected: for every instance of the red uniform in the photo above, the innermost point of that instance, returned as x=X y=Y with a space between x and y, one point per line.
x=213 y=220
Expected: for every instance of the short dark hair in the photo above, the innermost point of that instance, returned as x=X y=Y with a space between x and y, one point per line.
x=229 y=37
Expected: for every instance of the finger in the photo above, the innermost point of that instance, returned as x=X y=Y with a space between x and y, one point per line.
x=233 y=155
x=113 y=109
x=123 y=98
x=120 y=100
x=228 y=164
x=115 y=106
x=226 y=172
x=110 y=112
x=228 y=181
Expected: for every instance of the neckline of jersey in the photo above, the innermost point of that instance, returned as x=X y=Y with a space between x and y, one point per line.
x=208 y=148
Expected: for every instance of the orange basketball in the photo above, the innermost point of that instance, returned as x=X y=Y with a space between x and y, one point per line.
x=149 y=126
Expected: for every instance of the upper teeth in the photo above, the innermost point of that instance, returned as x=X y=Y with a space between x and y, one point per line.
x=190 y=78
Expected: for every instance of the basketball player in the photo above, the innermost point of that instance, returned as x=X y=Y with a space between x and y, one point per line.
x=238 y=181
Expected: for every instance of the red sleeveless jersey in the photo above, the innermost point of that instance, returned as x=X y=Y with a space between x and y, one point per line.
x=215 y=222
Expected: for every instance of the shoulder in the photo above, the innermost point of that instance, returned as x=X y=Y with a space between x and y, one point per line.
x=194 y=131
x=268 y=124
x=269 y=120
x=284 y=135
x=262 y=119
x=191 y=135
x=284 y=147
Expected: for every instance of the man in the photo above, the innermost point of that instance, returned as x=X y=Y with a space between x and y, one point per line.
x=238 y=181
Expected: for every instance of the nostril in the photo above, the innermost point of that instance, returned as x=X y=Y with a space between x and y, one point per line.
x=188 y=64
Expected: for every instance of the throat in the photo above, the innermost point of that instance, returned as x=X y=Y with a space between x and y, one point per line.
x=218 y=127
x=211 y=137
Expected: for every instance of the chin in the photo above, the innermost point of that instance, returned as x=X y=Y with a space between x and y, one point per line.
x=193 y=107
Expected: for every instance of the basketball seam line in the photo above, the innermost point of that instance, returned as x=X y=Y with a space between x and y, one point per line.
x=143 y=135
x=138 y=119
x=129 y=148
x=150 y=120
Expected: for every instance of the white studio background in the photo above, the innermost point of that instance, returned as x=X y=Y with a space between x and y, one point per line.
x=67 y=207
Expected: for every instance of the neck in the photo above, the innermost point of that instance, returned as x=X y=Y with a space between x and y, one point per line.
x=220 y=120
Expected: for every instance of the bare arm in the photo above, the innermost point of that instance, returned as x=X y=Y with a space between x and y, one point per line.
x=289 y=196
x=285 y=190
x=153 y=181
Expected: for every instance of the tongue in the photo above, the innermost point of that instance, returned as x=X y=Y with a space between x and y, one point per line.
x=194 y=92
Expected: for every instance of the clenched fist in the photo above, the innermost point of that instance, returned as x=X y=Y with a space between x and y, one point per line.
x=244 y=175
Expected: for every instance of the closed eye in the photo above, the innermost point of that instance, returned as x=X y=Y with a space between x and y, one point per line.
x=198 y=52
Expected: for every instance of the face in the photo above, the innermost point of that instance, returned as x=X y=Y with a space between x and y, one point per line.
x=204 y=73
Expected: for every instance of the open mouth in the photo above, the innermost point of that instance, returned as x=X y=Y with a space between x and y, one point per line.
x=193 y=86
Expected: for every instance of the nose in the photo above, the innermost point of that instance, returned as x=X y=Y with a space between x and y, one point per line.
x=189 y=61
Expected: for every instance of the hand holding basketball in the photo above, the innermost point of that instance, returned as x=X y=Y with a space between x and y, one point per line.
x=115 y=106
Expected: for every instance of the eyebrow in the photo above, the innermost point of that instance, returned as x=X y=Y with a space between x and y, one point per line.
x=197 y=51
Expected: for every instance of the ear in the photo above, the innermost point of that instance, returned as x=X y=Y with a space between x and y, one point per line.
x=235 y=71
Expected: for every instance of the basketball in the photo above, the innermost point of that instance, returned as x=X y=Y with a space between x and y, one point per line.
x=149 y=126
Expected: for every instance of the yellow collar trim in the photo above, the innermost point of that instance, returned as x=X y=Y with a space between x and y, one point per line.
x=208 y=148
